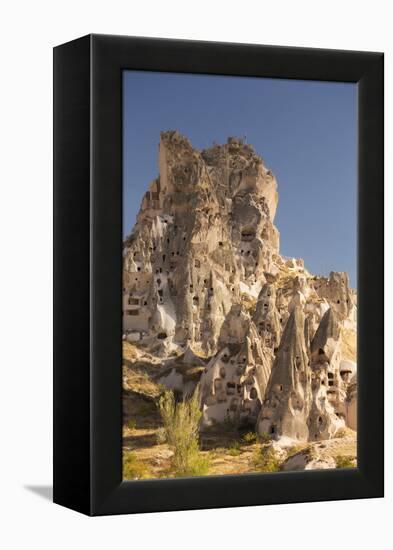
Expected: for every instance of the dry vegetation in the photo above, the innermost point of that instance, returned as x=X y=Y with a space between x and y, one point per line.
x=160 y=437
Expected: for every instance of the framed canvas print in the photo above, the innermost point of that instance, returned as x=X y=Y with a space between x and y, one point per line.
x=218 y=275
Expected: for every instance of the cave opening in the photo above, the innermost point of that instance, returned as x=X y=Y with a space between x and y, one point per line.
x=248 y=233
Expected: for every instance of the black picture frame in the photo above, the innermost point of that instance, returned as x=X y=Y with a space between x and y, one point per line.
x=88 y=274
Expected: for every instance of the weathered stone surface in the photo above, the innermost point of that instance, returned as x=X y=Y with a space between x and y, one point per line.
x=288 y=396
x=203 y=278
x=308 y=461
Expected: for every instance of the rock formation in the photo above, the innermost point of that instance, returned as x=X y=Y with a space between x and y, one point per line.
x=203 y=277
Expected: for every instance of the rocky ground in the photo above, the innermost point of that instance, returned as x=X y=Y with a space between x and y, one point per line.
x=229 y=451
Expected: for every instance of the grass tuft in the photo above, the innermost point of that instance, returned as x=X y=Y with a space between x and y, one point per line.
x=345 y=461
x=250 y=438
x=134 y=468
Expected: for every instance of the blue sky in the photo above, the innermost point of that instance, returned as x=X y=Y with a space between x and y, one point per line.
x=305 y=131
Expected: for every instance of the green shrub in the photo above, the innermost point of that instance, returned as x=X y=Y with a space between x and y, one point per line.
x=134 y=468
x=264 y=437
x=198 y=466
x=249 y=438
x=181 y=421
x=345 y=461
x=266 y=460
x=235 y=449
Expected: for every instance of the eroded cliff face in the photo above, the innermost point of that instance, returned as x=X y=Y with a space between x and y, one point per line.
x=202 y=272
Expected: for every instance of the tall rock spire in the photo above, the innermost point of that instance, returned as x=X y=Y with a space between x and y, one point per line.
x=288 y=396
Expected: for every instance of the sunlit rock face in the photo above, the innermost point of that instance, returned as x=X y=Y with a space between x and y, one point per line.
x=204 y=235
x=202 y=271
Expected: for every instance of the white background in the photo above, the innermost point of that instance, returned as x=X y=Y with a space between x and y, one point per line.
x=28 y=31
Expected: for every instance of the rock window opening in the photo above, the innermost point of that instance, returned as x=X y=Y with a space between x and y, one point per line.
x=163 y=258
x=132 y=312
x=222 y=372
x=133 y=301
x=220 y=243
x=248 y=233
x=160 y=292
x=162 y=335
x=321 y=352
x=253 y=393
x=330 y=375
x=338 y=301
